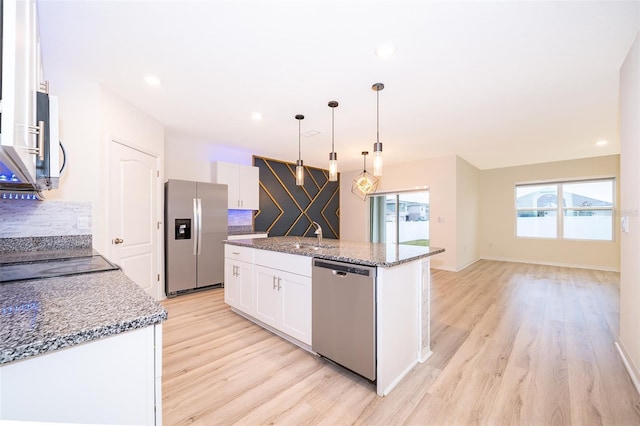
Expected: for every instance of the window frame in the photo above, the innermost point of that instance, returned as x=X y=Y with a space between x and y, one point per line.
x=561 y=209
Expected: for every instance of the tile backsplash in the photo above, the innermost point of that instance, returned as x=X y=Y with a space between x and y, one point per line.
x=21 y=218
x=240 y=218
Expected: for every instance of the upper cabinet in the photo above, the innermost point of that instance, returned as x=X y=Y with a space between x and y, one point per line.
x=20 y=69
x=242 y=182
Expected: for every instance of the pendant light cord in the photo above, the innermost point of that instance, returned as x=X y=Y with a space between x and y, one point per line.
x=332 y=129
x=299 y=151
x=378 y=116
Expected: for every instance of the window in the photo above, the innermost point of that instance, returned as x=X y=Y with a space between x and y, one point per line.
x=585 y=211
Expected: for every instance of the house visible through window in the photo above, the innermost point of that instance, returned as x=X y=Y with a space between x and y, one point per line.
x=584 y=213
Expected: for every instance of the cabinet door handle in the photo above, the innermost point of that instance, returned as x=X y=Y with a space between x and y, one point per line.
x=279 y=286
x=274 y=282
x=39 y=148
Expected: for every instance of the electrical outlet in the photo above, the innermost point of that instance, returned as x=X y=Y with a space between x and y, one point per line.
x=82 y=222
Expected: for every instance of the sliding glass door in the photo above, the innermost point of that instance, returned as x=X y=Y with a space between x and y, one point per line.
x=401 y=218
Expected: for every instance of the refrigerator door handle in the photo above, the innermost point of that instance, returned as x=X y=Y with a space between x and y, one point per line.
x=196 y=226
x=199 y=226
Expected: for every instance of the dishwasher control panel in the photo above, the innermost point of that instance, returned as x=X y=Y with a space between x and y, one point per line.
x=345 y=267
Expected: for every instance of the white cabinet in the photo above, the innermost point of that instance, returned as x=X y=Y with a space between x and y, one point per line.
x=267 y=286
x=283 y=292
x=112 y=380
x=238 y=277
x=20 y=73
x=283 y=301
x=242 y=183
x=271 y=287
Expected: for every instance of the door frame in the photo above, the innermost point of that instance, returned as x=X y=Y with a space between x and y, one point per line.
x=110 y=139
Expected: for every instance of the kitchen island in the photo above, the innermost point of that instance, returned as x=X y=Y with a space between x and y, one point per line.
x=82 y=348
x=269 y=281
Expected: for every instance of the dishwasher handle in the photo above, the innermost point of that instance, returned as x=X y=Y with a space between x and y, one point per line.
x=343 y=269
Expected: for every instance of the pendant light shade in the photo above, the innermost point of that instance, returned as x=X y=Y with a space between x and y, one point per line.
x=377 y=146
x=299 y=163
x=333 y=156
x=365 y=183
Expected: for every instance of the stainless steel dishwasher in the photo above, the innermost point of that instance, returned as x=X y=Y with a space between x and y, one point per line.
x=344 y=315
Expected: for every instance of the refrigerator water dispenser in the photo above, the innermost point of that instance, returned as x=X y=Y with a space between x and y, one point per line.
x=183 y=229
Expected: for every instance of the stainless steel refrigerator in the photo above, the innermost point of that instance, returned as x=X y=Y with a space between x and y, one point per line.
x=195 y=217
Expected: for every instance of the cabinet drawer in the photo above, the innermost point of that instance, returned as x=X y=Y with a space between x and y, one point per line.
x=244 y=254
x=293 y=263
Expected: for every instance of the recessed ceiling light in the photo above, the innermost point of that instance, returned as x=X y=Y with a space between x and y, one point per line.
x=385 y=50
x=602 y=143
x=152 y=80
x=256 y=116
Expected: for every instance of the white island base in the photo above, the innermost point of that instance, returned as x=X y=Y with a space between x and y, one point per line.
x=403 y=337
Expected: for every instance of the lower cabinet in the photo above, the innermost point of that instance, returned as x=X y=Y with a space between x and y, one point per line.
x=238 y=277
x=272 y=287
x=238 y=288
x=283 y=301
x=114 y=380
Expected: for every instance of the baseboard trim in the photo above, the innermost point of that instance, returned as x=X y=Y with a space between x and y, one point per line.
x=424 y=356
x=533 y=262
x=560 y=264
x=629 y=366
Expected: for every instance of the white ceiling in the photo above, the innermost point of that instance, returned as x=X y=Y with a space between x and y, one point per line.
x=497 y=83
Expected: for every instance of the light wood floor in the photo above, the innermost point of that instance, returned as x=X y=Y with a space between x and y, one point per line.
x=513 y=344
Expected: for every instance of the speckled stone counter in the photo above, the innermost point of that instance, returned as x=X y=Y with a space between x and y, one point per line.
x=361 y=253
x=39 y=316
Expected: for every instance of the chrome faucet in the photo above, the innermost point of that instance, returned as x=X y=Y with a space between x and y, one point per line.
x=318 y=232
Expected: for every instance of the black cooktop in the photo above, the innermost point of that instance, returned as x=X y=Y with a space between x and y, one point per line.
x=54 y=268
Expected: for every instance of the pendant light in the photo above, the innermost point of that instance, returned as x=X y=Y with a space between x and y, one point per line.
x=365 y=183
x=299 y=164
x=377 y=146
x=333 y=156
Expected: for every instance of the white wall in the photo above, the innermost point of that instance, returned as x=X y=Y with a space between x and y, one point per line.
x=90 y=116
x=629 y=339
x=467 y=213
x=354 y=213
x=191 y=158
x=497 y=216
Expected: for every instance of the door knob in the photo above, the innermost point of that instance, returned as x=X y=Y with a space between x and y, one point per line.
x=118 y=241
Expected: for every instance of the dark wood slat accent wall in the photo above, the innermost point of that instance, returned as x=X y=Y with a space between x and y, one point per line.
x=287 y=209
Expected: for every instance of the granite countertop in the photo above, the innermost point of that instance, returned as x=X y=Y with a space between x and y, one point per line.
x=43 y=315
x=361 y=253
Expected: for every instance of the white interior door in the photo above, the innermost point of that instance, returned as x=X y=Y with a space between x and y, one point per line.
x=133 y=211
